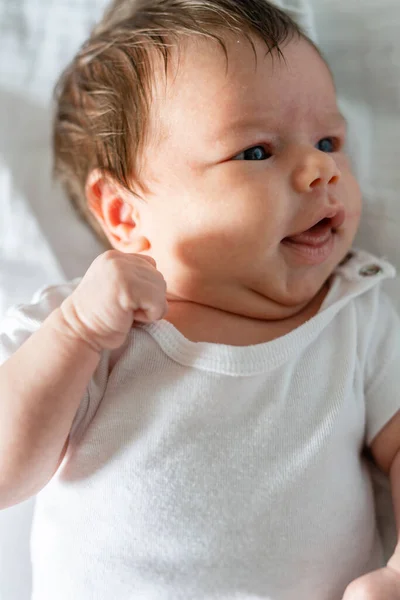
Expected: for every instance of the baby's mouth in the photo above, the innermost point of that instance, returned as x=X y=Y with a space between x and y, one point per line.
x=319 y=234
x=316 y=236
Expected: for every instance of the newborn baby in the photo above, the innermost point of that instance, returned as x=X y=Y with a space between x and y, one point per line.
x=194 y=412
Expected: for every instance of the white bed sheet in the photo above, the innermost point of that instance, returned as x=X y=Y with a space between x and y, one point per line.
x=42 y=242
x=40 y=238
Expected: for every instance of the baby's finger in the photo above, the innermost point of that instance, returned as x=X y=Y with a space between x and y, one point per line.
x=141 y=316
x=150 y=313
x=148 y=259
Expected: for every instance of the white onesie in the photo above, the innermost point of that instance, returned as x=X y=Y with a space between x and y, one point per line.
x=199 y=471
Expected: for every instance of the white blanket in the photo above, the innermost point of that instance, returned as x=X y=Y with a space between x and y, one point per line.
x=42 y=242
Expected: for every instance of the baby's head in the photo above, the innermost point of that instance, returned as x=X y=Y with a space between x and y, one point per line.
x=206 y=134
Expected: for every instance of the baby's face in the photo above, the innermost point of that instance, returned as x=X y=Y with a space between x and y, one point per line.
x=251 y=201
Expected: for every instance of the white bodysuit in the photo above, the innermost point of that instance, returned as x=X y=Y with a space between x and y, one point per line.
x=198 y=471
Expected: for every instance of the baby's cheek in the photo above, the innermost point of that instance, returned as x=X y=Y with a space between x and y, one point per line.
x=349 y=189
x=355 y=198
x=353 y=215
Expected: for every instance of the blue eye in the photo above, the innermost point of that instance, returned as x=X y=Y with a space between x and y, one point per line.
x=253 y=153
x=326 y=145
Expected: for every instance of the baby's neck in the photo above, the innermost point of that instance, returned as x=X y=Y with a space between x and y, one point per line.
x=200 y=323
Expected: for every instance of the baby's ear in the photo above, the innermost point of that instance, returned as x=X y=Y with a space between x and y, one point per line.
x=117 y=211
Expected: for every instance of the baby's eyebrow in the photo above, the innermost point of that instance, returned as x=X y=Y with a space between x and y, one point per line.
x=239 y=124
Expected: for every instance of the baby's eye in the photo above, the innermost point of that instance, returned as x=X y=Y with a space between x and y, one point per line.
x=253 y=153
x=326 y=145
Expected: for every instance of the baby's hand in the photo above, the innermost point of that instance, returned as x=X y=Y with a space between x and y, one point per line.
x=117 y=289
x=383 y=584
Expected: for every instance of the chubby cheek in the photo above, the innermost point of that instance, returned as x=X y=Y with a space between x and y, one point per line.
x=211 y=240
x=349 y=190
x=353 y=204
x=218 y=219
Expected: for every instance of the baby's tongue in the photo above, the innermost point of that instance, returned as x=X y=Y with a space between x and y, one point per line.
x=314 y=236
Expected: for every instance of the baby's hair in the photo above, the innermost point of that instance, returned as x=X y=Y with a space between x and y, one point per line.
x=103 y=97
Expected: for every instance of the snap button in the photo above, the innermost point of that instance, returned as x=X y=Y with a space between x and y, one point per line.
x=370 y=270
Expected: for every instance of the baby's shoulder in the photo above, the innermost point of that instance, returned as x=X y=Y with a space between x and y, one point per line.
x=42 y=303
x=22 y=320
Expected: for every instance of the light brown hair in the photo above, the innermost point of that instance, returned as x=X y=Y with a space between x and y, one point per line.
x=103 y=96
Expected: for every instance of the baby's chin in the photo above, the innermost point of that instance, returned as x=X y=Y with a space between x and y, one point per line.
x=300 y=287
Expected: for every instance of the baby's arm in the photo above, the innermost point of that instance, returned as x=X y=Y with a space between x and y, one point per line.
x=386 y=451
x=384 y=584
x=41 y=387
x=42 y=384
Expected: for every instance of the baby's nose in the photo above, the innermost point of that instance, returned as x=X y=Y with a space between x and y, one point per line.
x=315 y=169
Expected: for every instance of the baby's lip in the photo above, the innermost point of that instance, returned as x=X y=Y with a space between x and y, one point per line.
x=328 y=221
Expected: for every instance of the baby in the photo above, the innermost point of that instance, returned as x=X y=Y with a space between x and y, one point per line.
x=194 y=412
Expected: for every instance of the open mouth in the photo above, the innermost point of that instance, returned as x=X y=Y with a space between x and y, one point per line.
x=316 y=236
x=316 y=243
